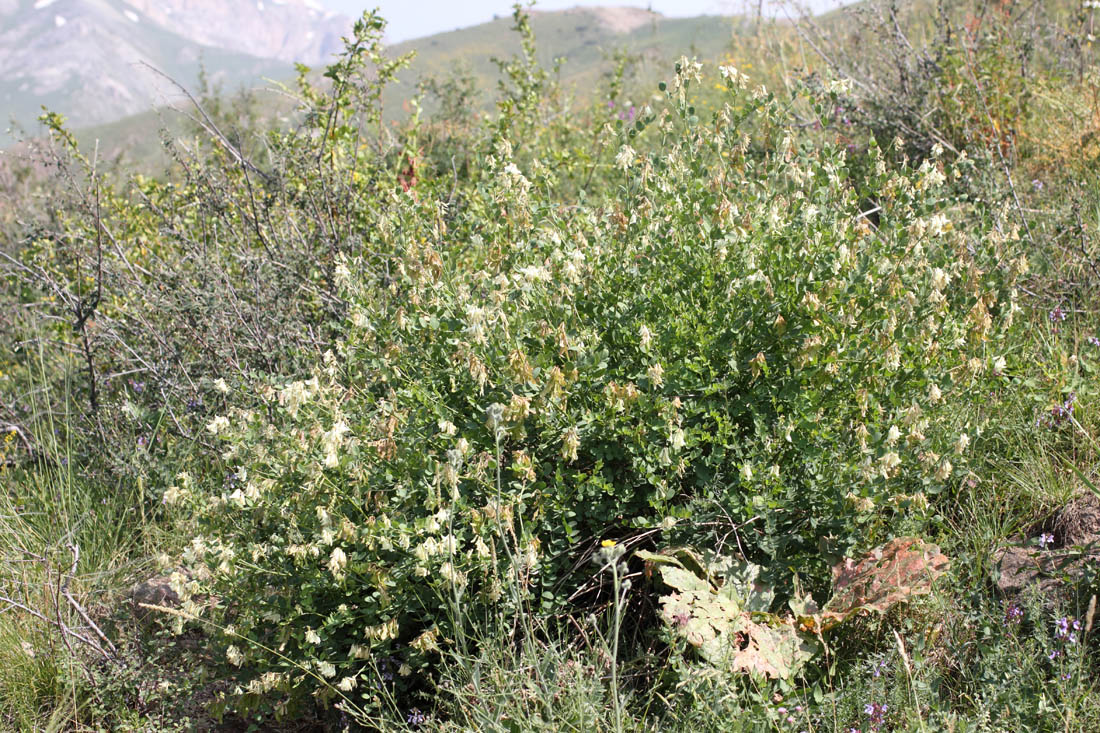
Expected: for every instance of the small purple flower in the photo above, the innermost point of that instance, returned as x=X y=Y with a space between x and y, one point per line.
x=876 y=712
x=416 y=718
x=1037 y=184
x=1013 y=613
x=1046 y=539
x=1093 y=341
x=1054 y=655
x=1066 y=629
x=1059 y=414
x=385 y=668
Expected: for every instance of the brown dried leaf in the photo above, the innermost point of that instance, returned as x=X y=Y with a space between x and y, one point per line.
x=893 y=573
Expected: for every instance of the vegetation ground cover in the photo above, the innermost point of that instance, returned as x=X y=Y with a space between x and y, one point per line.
x=573 y=416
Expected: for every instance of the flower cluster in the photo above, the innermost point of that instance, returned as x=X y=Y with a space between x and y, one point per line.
x=1058 y=415
x=876 y=714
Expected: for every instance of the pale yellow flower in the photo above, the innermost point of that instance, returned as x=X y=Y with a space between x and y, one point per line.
x=337 y=562
x=934 y=394
x=570 y=441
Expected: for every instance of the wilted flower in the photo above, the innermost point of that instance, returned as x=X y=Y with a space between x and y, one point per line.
x=656 y=374
x=888 y=463
x=893 y=357
x=757 y=364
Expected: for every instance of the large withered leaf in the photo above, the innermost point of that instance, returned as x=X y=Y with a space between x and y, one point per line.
x=720 y=622
x=893 y=573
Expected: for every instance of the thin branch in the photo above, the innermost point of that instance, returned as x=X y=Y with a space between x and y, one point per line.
x=210 y=127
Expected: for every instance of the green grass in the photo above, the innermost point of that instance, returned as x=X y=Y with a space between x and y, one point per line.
x=70 y=546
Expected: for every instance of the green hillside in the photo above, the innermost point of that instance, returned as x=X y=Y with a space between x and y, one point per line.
x=579 y=38
x=585 y=45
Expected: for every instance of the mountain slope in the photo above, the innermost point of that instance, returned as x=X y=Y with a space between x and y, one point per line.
x=88 y=59
x=583 y=37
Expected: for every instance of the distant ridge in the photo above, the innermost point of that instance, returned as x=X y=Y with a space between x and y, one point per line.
x=585 y=36
x=614 y=18
x=87 y=58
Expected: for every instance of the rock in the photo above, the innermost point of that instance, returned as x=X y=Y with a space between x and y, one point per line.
x=1078 y=522
x=1020 y=568
x=1075 y=547
x=156 y=591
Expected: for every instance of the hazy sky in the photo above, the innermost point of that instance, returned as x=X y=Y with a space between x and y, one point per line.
x=415 y=18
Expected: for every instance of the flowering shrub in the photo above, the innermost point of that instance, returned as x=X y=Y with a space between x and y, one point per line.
x=715 y=329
